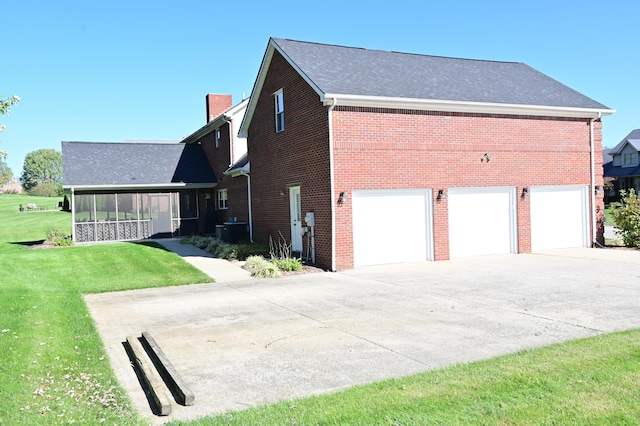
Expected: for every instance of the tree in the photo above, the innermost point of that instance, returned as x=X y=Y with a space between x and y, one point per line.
x=41 y=166
x=626 y=215
x=5 y=106
x=5 y=172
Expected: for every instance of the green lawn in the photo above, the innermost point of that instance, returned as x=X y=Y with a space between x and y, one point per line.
x=54 y=370
x=608 y=220
x=53 y=366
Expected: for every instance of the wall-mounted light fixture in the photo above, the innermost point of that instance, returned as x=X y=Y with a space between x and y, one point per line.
x=342 y=198
x=283 y=193
x=485 y=158
x=597 y=189
x=524 y=193
x=442 y=195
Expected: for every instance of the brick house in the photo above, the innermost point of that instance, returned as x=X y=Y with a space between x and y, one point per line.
x=227 y=154
x=402 y=157
x=137 y=190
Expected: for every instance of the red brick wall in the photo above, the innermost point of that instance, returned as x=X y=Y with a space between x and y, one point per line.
x=297 y=156
x=387 y=149
x=219 y=158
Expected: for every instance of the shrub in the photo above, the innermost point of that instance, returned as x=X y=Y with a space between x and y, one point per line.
x=226 y=250
x=261 y=268
x=626 y=215
x=58 y=237
x=46 y=190
x=289 y=264
x=280 y=252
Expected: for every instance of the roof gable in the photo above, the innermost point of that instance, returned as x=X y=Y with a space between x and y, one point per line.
x=632 y=139
x=363 y=77
x=134 y=164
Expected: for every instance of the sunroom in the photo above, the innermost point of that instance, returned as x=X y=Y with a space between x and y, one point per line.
x=135 y=191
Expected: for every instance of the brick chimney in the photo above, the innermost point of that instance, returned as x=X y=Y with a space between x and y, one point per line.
x=217 y=104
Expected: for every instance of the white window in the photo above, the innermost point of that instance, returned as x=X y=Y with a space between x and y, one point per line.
x=629 y=159
x=218 y=138
x=279 y=103
x=222 y=199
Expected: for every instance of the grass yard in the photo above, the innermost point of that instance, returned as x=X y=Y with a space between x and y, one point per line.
x=53 y=366
x=593 y=381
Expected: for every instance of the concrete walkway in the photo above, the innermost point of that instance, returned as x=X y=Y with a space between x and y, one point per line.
x=246 y=343
x=221 y=270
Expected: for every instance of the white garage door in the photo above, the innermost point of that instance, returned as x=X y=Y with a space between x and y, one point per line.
x=392 y=226
x=482 y=221
x=559 y=217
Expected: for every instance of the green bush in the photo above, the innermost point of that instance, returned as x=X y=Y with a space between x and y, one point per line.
x=58 y=237
x=46 y=190
x=224 y=250
x=288 y=264
x=626 y=215
x=261 y=268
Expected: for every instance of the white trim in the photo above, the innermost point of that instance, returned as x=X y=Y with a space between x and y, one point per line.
x=463 y=106
x=216 y=123
x=141 y=186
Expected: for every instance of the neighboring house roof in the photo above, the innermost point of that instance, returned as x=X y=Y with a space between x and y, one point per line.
x=134 y=165
x=632 y=138
x=606 y=156
x=617 y=171
x=362 y=77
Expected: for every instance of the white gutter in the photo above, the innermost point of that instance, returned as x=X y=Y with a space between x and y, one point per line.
x=141 y=186
x=243 y=173
x=593 y=183
x=464 y=106
x=333 y=191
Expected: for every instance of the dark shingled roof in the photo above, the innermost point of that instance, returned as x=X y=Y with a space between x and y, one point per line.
x=105 y=164
x=617 y=171
x=354 y=71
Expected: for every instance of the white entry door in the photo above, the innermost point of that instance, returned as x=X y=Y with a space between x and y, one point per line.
x=296 y=218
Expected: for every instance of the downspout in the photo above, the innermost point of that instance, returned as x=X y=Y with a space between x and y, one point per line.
x=333 y=192
x=593 y=182
x=243 y=173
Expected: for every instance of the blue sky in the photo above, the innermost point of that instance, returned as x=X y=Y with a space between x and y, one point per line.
x=139 y=70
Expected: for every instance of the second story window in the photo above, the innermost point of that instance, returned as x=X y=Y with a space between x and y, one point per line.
x=629 y=159
x=218 y=138
x=279 y=103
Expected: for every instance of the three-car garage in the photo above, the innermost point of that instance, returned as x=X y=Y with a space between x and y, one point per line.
x=393 y=226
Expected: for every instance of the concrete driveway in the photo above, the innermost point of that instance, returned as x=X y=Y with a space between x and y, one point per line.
x=253 y=342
